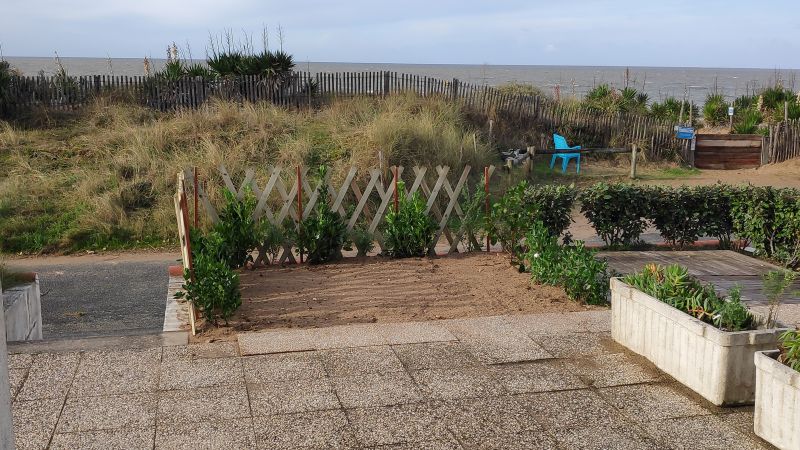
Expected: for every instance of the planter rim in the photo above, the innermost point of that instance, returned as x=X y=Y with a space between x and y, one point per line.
x=767 y=361
x=697 y=326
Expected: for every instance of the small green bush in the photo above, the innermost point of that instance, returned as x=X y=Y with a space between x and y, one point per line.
x=363 y=240
x=769 y=218
x=323 y=233
x=678 y=214
x=472 y=226
x=617 y=211
x=674 y=286
x=213 y=288
x=747 y=122
x=790 y=349
x=237 y=229
x=715 y=110
x=409 y=231
x=716 y=218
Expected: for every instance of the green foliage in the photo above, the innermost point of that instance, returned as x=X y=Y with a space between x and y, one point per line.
x=409 y=231
x=790 y=349
x=715 y=110
x=715 y=211
x=236 y=62
x=213 y=287
x=472 y=226
x=323 y=232
x=272 y=238
x=517 y=88
x=617 y=211
x=670 y=110
x=522 y=205
x=747 y=122
x=774 y=97
x=775 y=285
x=584 y=277
x=608 y=99
x=678 y=214
x=363 y=240
x=770 y=219
x=238 y=230
x=674 y=286
x=745 y=102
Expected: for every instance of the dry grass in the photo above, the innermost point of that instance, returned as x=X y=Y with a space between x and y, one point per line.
x=105 y=178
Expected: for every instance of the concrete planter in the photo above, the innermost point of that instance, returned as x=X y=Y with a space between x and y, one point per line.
x=777 y=411
x=716 y=364
x=23 y=311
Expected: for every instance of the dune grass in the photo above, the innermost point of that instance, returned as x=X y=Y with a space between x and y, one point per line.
x=104 y=178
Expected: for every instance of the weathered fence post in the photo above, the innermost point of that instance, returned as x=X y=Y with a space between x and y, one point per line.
x=6 y=425
x=385 y=83
x=531 y=153
x=633 y=161
x=97 y=84
x=454 y=88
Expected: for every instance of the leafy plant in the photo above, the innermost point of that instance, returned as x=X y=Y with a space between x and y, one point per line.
x=363 y=240
x=678 y=214
x=716 y=203
x=790 y=349
x=410 y=230
x=272 y=239
x=237 y=228
x=544 y=255
x=212 y=287
x=770 y=219
x=323 y=233
x=775 y=285
x=617 y=211
x=715 y=110
x=748 y=122
x=673 y=285
x=472 y=227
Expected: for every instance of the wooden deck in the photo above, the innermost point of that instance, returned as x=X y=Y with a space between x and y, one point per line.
x=722 y=268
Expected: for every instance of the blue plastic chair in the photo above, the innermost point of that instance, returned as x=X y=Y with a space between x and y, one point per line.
x=561 y=144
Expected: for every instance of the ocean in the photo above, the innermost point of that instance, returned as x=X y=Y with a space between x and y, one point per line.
x=657 y=82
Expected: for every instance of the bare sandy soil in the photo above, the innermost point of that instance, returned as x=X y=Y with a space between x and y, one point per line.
x=786 y=174
x=369 y=290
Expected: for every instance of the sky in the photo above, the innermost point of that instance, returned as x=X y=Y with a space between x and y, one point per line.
x=699 y=33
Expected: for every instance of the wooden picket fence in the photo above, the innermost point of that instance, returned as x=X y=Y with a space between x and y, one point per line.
x=784 y=141
x=286 y=194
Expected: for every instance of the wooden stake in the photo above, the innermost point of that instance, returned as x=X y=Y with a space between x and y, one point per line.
x=633 y=162
x=300 y=210
x=396 y=200
x=195 y=198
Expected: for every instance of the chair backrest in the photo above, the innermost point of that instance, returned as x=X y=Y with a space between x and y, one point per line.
x=561 y=142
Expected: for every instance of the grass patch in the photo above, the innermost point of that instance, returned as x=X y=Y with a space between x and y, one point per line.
x=670 y=173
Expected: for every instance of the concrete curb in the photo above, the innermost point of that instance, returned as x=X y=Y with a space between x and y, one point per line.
x=176 y=312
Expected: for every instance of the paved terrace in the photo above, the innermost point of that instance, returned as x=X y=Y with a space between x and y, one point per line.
x=539 y=381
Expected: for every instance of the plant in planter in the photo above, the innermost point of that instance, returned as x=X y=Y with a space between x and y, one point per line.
x=776 y=416
x=704 y=340
x=410 y=230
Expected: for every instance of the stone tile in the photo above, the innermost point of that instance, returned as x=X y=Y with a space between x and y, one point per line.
x=578 y=344
x=346 y=336
x=535 y=376
x=206 y=372
x=376 y=389
x=648 y=402
x=15 y=379
x=706 y=432
x=203 y=404
x=34 y=422
x=108 y=412
x=526 y=440
x=200 y=351
x=415 y=333
x=291 y=396
x=462 y=382
x=278 y=341
x=493 y=341
x=133 y=439
x=492 y=416
x=741 y=421
x=562 y=323
x=313 y=430
x=20 y=360
x=283 y=367
x=604 y=438
x=219 y=434
x=360 y=361
x=614 y=370
x=117 y=372
x=426 y=445
x=49 y=376
x=401 y=424
x=435 y=355
x=569 y=409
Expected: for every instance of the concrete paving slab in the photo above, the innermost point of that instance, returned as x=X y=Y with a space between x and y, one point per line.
x=108 y=412
x=415 y=333
x=360 y=361
x=218 y=434
x=569 y=409
x=536 y=376
x=345 y=336
x=183 y=374
x=651 y=402
x=694 y=432
x=401 y=424
x=435 y=355
x=34 y=422
x=463 y=382
x=604 y=438
x=283 y=367
x=201 y=351
x=427 y=445
x=520 y=441
x=562 y=323
x=15 y=379
x=321 y=430
x=279 y=341
x=203 y=404
x=20 y=361
x=127 y=438
x=470 y=419
x=117 y=372
x=287 y=397
x=376 y=389
x=494 y=341
x=614 y=370
x=49 y=376
x=578 y=344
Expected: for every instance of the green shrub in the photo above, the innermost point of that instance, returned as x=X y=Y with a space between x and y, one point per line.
x=363 y=240
x=472 y=226
x=576 y=268
x=774 y=97
x=678 y=214
x=617 y=211
x=715 y=110
x=716 y=216
x=674 y=286
x=213 y=288
x=409 y=231
x=237 y=228
x=670 y=110
x=769 y=218
x=323 y=233
x=790 y=349
x=272 y=239
x=522 y=205
x=747 y=122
